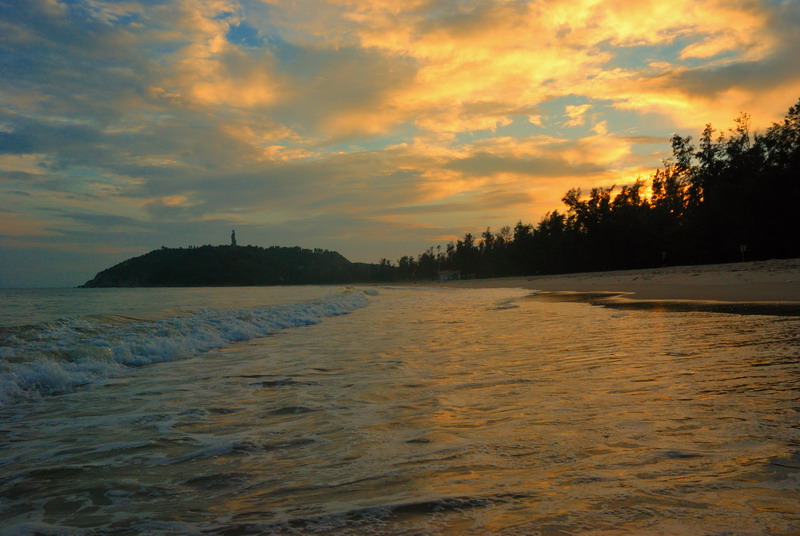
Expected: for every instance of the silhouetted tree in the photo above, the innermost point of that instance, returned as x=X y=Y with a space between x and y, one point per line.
x=705 y=202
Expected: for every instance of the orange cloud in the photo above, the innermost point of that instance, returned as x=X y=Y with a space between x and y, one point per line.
x=15 y=225
x=521 y=55
x=174 y=200
x=576 y=114
x=514 y=56
x=370 y=108
x=24 y=163
x=211 y=71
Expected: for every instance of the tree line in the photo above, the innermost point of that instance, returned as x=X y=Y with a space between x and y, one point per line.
x=731 y=196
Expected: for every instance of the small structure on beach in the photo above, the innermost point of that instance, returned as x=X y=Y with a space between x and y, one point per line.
x=449 y=275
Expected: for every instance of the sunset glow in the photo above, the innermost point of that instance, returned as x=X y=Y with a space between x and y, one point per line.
x=374 y=128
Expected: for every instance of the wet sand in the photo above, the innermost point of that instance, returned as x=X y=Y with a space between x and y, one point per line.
x=759 y=287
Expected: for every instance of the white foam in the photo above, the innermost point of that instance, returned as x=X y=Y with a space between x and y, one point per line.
x=58 y=356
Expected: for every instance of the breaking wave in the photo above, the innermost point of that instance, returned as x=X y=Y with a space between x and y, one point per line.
x=58 y=356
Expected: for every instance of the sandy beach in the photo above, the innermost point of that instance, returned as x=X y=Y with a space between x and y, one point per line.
x=759 y=286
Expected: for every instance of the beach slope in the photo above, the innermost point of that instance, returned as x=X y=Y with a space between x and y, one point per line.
x=758 y=286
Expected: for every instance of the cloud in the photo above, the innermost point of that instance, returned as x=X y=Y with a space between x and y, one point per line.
x=601 y=128
x=20 y=225
x=576 y=114
x=501 y=199
x=103 y=221
x=484 y=164
x=132 y=124
x=37 y=137
x=750 y=64
x=346 y=92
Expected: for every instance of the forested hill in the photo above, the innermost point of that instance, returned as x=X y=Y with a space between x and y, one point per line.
x=234 y=266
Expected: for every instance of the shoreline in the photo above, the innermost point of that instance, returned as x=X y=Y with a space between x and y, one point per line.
x=756 y=287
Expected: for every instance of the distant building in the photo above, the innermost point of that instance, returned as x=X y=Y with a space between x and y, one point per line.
x=233 y=238
x=449 y=275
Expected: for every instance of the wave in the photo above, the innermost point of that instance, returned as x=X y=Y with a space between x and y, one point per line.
x=59 y=356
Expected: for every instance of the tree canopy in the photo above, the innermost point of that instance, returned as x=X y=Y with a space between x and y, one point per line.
x=237 y=266
x=733 y=195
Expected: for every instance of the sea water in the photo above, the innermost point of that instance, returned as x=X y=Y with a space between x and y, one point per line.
x=324 y=410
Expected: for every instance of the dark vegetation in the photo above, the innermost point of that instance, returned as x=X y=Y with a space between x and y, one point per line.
x=233 y=265
x=732 y=196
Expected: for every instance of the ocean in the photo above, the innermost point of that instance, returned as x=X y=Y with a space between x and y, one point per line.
x=391 y=410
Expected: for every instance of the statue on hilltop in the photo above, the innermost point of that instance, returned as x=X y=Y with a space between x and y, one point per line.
x=233 y=238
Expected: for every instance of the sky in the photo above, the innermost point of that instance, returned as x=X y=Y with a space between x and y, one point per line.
x=376 y=128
